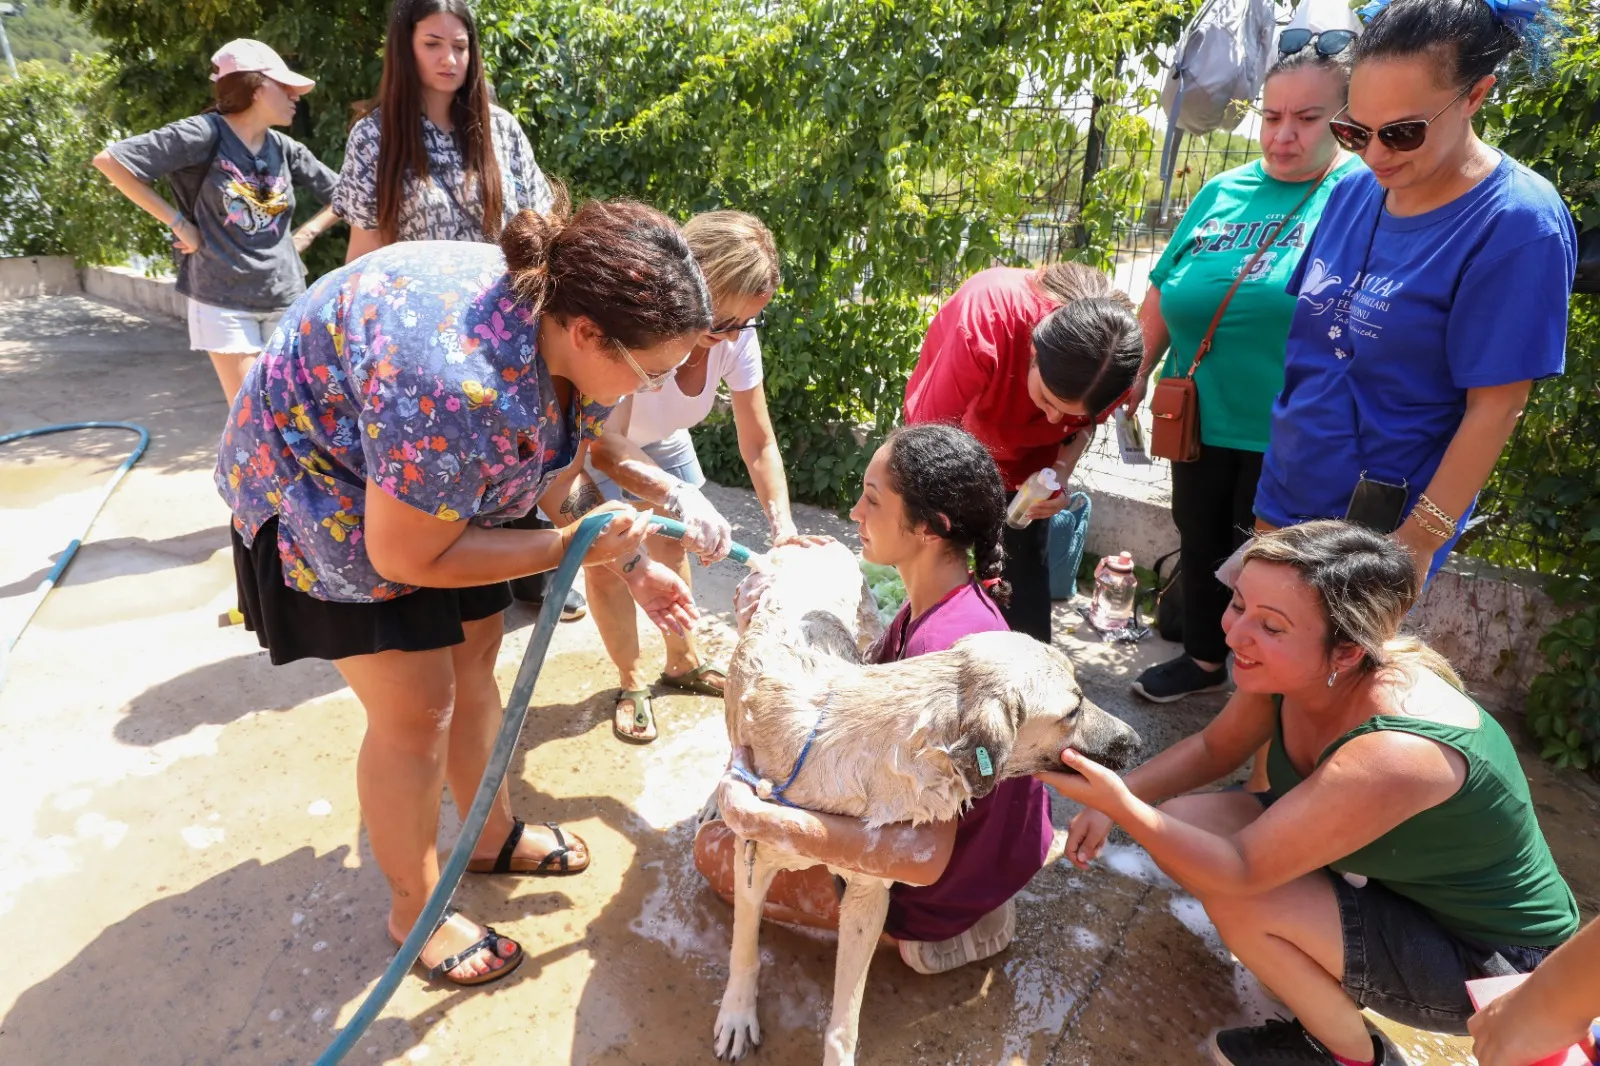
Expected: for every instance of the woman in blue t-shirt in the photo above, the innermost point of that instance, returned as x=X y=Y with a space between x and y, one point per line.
x=1434 y=292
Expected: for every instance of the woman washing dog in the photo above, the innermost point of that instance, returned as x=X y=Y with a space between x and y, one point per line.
x=740 y=263
x=413 y=403
x=1397 y=854
x=931 y=495
x=1028 y=362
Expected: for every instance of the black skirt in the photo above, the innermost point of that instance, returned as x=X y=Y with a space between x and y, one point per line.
x=292 y=624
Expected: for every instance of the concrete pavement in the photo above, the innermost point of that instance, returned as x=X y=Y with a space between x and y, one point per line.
x=183 y=878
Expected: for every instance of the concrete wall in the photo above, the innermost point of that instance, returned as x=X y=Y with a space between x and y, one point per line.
x=56 y=275
x=1486 y=620
x=48 y=275
x=120 y=285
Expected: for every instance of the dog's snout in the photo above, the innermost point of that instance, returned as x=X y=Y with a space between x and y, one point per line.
x=1107 y=739
x=1120 y=752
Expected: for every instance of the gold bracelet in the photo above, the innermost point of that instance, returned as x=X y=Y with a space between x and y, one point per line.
x=1433 y=509
x=1423 y=525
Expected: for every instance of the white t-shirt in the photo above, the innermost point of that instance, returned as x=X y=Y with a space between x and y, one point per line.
x=666 y=412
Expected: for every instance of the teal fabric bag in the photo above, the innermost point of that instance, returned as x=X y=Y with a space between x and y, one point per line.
x=1069 y=529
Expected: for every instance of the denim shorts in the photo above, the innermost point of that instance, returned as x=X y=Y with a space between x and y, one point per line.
x=1402 y=964
x=683 y=465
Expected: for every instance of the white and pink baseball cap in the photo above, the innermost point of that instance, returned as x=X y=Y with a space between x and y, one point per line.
x=245 y=56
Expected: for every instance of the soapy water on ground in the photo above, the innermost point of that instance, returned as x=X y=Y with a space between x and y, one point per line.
x=1042 y=1002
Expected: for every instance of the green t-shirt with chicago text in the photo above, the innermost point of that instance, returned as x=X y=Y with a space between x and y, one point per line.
x=1230 y=217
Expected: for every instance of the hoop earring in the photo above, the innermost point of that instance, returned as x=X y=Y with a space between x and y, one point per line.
x=1332 y=678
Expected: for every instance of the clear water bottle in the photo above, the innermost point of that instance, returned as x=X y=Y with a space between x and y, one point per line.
x=1115 y=589
x=1040 y=486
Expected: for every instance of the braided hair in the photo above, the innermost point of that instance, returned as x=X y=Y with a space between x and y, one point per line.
x=949 y=483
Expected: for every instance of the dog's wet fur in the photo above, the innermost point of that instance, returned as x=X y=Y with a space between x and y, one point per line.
x=897 y=742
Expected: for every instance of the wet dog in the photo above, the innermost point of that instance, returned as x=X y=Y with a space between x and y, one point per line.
x=911 y=741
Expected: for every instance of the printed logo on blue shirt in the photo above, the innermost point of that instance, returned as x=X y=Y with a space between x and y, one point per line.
x=1357 y=307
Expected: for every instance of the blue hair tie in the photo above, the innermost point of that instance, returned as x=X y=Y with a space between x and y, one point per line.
x=1518 y=14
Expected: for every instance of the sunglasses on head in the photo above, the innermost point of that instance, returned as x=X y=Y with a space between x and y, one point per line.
x=1404 y=136
x=1329 y=43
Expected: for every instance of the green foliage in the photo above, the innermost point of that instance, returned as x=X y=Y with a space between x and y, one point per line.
x=50 y=35
x=51 y=201
x=881 y=140
x=162 y=64
x=1546 y=489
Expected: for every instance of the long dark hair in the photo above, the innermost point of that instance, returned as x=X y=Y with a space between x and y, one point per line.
x=949 y=483
x=1469 y=38
x=1088 y=349
x=400 y=148
x=622 y=265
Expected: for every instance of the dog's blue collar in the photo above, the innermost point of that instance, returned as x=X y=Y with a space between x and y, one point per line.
x=778 y=790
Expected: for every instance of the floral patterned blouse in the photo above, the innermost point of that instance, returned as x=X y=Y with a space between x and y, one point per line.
x=413 y=367
x=443 y=205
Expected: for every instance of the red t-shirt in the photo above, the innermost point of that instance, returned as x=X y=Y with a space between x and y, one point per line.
x=973 y=371
x=1003 y=839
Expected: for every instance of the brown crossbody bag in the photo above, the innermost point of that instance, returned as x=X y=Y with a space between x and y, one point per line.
x=1175 y=403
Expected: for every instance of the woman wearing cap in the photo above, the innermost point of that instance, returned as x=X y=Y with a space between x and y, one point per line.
x=235 y=177
x=436 y=161
x=412 y=403
x=1258 y=217
x=1029 y=362
x=1434 y=292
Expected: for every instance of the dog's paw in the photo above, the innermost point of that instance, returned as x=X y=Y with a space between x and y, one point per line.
x=737 y=1030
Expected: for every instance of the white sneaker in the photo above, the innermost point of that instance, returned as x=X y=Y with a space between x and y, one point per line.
x=989 y=936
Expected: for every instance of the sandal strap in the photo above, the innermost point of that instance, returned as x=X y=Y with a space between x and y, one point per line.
x=557 y=854
x=643 y=707
x=491 y=941
x=502 y=863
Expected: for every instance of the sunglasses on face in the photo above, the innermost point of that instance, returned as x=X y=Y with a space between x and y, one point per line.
x=1329 y=43
x=1405 y=136
x=648 y=382
x=733 y=325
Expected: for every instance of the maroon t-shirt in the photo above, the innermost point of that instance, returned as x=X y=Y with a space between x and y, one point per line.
x=1003 y=839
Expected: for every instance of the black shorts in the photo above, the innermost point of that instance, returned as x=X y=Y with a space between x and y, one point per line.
x=292 y=624
x=1402 y=964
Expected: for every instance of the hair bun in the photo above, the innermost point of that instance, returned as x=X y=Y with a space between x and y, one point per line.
x=526 y=243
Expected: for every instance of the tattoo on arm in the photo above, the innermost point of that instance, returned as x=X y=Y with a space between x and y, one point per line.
x=627 y=567
x=583 y=499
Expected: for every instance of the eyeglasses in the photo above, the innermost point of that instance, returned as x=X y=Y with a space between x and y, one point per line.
x=1405 y=136
x=1329 y=42
x=733 y=325
x=648 y=382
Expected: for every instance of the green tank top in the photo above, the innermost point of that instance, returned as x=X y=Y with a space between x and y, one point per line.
x=1477 y=861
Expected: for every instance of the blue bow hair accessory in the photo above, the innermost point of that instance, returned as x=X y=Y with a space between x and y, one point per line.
x=1519 y=14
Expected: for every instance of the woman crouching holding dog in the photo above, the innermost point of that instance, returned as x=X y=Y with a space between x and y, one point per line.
x=930 y=495
x=1396 y=855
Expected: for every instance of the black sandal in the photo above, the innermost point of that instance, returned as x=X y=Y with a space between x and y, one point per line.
x=546 y=866
x=490 y=942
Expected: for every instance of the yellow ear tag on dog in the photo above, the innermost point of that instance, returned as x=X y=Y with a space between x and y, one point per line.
x=985 y=767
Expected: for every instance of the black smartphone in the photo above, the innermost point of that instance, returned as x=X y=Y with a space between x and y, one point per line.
x=1377 y=505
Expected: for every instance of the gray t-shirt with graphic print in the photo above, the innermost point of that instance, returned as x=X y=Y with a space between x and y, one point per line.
x=445 y=204
x=244 y=211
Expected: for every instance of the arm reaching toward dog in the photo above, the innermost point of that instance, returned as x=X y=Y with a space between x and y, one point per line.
x=912 y=855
